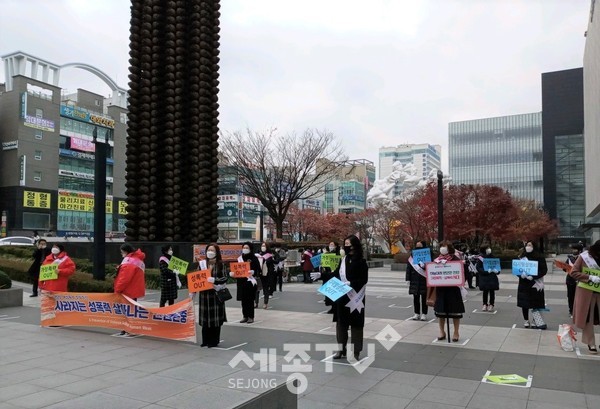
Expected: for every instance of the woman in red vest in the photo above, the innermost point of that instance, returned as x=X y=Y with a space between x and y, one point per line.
x=130 y=279
x=66 y=267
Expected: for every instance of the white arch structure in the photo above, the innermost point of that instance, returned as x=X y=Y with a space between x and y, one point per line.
x=41 y=70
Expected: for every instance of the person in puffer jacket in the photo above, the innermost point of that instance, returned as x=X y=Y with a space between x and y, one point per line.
x=130 y=279
x=66 y=268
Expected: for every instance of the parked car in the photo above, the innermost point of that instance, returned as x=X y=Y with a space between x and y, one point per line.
x=16 y=241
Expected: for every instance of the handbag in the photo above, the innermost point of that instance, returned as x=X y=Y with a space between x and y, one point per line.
x=431 y=296
x=223 y=295
x=538 y=321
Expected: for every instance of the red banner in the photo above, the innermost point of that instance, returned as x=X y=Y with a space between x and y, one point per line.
x=109 y=310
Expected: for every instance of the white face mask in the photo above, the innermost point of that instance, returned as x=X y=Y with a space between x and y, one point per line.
x=55 y=250
x=529 y=249
x=263 y=249
x=170 y=252
x=342 y=252
x=246 y=251
x=211 y=254
x=443 y=251
x=488 y=251
x=331 y=248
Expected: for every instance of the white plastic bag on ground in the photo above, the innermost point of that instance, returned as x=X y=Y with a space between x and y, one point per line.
x=566 y=337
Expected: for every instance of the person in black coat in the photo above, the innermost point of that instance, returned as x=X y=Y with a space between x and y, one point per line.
x=212 y=313
x=267 y=268
x=353 y=271
x=488 y=280
x=39 y=255
x=246 y=287
x=168 y=277
x=570 y=281
x=530 y=293
x=334 y=248
x=415 y=275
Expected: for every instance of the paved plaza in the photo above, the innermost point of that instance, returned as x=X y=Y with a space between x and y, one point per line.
x=89 y=368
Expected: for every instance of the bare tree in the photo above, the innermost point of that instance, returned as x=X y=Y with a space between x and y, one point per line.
x=281 y=169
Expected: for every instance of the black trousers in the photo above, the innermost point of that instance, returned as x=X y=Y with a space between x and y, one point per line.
x=420 y=303
x=248 y=306
x=356 y=333
x=265 y=288
x=307 y=276
x=34 y=290
x=278 y=279
x=525 y=313
x=571 y=296
x=492 y=294
x=163 y=301
x=211 y=336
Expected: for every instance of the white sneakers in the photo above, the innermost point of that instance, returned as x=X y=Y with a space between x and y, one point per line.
x=416 y=317
x=423 y=317
x=526 y=324
x=484 y=308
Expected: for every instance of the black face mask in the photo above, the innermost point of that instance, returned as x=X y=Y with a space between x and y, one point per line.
x=348 y=249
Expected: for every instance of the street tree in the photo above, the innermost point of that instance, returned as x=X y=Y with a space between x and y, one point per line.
x=281 y=169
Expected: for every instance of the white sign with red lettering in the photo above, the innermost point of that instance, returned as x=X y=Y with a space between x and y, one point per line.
x=450 y=274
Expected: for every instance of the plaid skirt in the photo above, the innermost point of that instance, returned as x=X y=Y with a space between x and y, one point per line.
x=211 y=310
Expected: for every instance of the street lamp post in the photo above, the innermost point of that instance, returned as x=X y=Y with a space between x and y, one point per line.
x=440 y=205
x=99 y=205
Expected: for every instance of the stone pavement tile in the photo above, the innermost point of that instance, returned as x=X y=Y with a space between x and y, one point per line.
x=154 y=367
x=347 y=382
x=126 y=361
x=92 y=370
x=150 y=389
x=572 y=374
x=593 y=401
x=84 y=386
x=41 y=399
x=445 y=396
x=545 y=405
x=9 y=369
x=11 y=357
x=16 y=391
x=400 y=390
x=469 y=364
x=99 y=400
x=334 y=395
x=454 y=384
x=420 y=404
x=557 y=397
x=370 y=373
x=485 y=401
x=207 y=396
x=33 y=373
x=304 y=403
x=373 y=400
x=178 y=358
x=66 y=365
x=414 y=379
x=121 y=376
x=4 y=405
x=55 y=380
x=502 y=390
x=473 y=374
x=198 y=372
x=558 y=384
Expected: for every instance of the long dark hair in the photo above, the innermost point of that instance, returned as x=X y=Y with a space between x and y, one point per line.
x=357 y=250
x=524 y=252
x=218 y=257
x=594 y=251
x=165 y=250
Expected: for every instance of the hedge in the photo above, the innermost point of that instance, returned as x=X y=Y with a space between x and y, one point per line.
x=5 y=281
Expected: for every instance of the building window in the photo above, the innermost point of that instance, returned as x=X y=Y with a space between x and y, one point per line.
x=39 y=113
x=97 y=102
x=38 y=221
x=37 y=176
x=39 y=135
x=38 y=155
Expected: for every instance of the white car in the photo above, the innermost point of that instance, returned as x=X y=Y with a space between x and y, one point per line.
x=16 y=241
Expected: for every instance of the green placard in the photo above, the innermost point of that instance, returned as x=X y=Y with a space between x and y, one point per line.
x=590 y=286
x=513 y=378
x=178 y=264
x=330 y=260
x=49 y=272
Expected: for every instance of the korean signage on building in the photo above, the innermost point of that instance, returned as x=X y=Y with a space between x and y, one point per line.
x=8 y=146
x=37 y=200
x=82 y=145
x=80 y=202
x=84 y=116
x=39 y=123
x=122 y=207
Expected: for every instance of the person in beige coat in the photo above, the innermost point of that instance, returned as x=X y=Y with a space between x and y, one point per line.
x=587 y=302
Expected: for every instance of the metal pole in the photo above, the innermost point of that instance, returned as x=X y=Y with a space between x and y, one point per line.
x=440 y=205
x=262 y=225
x=99 y=206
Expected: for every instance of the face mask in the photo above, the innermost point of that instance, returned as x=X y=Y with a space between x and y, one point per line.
x=170 y=252
x=246 y=251
x=263 y=249
x=443 y=251
x=528 y=249
x=43 y=246
x=123 y=255
x=488 y=251
x=348 y=249
x=419 y=247
x=342 y=252
x=331 y=248
x=575 y=252
x=55 y=250
x=211 y=254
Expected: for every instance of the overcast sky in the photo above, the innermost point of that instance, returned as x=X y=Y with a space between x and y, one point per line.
x=376 y=73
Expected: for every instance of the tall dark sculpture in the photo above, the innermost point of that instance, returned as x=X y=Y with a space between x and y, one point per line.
x=173 y=121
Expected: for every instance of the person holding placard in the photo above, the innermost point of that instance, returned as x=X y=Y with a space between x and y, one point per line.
x=530 y=292
x=570 y=281
x=211 y=309
x=350 y=308
x=448 y=300
x=168 y=277
x=334 y=248
x=586 y=308
x=307 y=266
x=131 y=280
x=66 y=268
x=267 y=268
x=246 y=287
x=415 y=275
x=39 y=255
x=488 y=278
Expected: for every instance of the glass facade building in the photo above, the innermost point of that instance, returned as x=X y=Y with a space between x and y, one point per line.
x=503 y=151
x=570 y=187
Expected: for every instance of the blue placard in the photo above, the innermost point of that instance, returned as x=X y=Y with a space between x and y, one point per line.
x=421 y=255
x=524 y=266
x=491 y=264
x=316 y=260
x=334 y=289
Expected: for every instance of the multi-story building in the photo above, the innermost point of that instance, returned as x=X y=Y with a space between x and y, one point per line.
x=347 y=191
x=591 y=132
x=424 y=156
x=503 y=151
x=47 y=157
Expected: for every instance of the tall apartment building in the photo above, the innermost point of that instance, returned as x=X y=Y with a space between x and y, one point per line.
x=347 y=191
x=424 y=156
x=503 y=151
x=47 y=157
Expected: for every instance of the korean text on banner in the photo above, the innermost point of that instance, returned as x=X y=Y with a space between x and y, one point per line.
x=178 y=264
x=524 y=266
x=590 y=286
x=491 y=264
x=48 y=272
x=119 y=312
x=334 y=289
x=240 y=270
x=229 y=252
x=330 y=260
x=450 y=274
x=563 y=266
x=421 y=256
x=198 y=281
x=316 y=260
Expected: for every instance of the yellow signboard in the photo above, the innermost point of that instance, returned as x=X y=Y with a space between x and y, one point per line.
x=36 y=199
x=122 y=207
x=80 y=204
